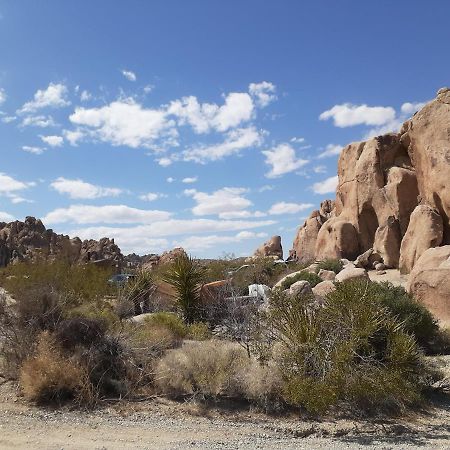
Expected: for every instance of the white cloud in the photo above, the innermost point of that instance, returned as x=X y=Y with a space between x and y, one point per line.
x=120 y=214
x=33 y=149
x=8 y=119
x=241 y=214
x=151 y=196
x=297 y=140
x=134 y=239
x=288 y=208
x=203 y=117
x=85 y=96
x=266 y=187
x=320 y=169
x=129 y=75
x=6 y=217
x=189 y=180
x=348 y=115
x=10 y=187
x=73 y=136
x=235 y=141
x=38 y=121
x=79 y=189
x=170 y=179
x=53 y=141
x=55 y=96
x=164 y=162
x=125 y=122
x=225 y=200
x=196 y=243
x=263 y=92
x=282 y=160
x=326 y=186
x=409 y=108
x=2 y=96
x=149 y=88
x=330 y=150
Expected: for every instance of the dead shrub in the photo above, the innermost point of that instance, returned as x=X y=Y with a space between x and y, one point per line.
x=207 y=369
x=50 y=377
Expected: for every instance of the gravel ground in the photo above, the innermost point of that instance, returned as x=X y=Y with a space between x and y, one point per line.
x=162 y=424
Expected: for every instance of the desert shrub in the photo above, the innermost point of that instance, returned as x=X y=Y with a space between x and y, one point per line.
x=136 y=295
x=352 y=351
x=185 y=275
x=416 y=318
x=206 y=369
x=334 y=265
x=219 y=269
x=198 y=331
x=312 y=278
x=100 y=310
x=79 y=332
x=50 y=377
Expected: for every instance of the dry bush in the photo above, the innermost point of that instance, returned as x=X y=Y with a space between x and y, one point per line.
x=206 y=369
x=50 y=377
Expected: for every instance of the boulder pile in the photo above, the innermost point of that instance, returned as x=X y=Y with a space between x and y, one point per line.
x=393 y=197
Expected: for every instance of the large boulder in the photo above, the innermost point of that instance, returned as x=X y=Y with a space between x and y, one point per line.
x=300 y=287
x=425 y=230
x=324 y=288
x=429 y=282
x=270 y=248
x=427 y=136
x=351 y=274
x=387 y=242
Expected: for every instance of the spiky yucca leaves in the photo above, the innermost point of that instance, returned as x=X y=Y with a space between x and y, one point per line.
x=352 y=351
x=186 y=277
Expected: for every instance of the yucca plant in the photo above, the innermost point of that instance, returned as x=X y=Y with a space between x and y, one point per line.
x=186 y=277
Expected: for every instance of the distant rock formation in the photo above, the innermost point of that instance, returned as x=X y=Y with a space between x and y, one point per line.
x=31 y=241
x=271 y=248
x=382 y=184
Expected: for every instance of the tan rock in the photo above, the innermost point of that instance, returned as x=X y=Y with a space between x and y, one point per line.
x=425 y=231
x=324 y=288
x=327 y=274
x=352 y=274
x=170 y=256
x=301 y=287
x=387 y=242
x=272 y=247
x=429 y=282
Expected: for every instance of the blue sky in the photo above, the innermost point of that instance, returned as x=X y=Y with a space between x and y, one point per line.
x=206 y=124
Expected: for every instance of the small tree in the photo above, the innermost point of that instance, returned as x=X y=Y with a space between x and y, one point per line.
x=186 y=277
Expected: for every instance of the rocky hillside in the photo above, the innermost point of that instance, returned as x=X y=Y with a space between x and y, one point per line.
x=393 y=195
x=31 y=241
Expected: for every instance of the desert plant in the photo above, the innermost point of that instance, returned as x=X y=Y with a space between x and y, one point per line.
x=334 y=265
x=136 y=295
x=186 y=277
x=351 y=351
x=312 y=278
x=198 y=331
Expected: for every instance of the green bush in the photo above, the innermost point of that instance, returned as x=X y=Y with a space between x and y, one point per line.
x=352 y=351
x=312 y=278
x=334 y=265
x=198 y=331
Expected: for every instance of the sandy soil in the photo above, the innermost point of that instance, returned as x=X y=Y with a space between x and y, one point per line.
x=162 y=424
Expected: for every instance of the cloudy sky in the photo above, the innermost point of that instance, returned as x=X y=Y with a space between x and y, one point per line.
x=211 y=125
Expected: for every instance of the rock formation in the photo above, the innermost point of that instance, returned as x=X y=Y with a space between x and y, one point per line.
x=381 y=183
x=270 y=248
x=31 y=241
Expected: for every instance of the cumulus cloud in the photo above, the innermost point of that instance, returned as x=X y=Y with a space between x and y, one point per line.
x=73 y=136
x=241 y=214
x=282 y=160
x=151 y=196
x=198 y=243
x=6 y=217
x=79 y=189
x=235 y=141
x=53 y=141
x=225 y=200
x=348 y=115
x=164 y=162
x=12 y=188
x=238 y=108
x=8 y=119
x=129 y=75
x=85 y=96
x=263 y=92
x=170 y=179
x=33 y=149
x=120 y=214
x=125 y=122
x=288 y=208
x=326 y=186
x=38 y=121
x=409 y=108
x=330 y=150
x=189 y=180
x=2 y=96
x=55 y=96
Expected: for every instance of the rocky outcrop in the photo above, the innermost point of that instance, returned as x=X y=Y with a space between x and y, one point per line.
x=425 y=231
x=31 y=241
x=429 y=282
x=304 y=246
x=380 y=184
x=270 y=248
